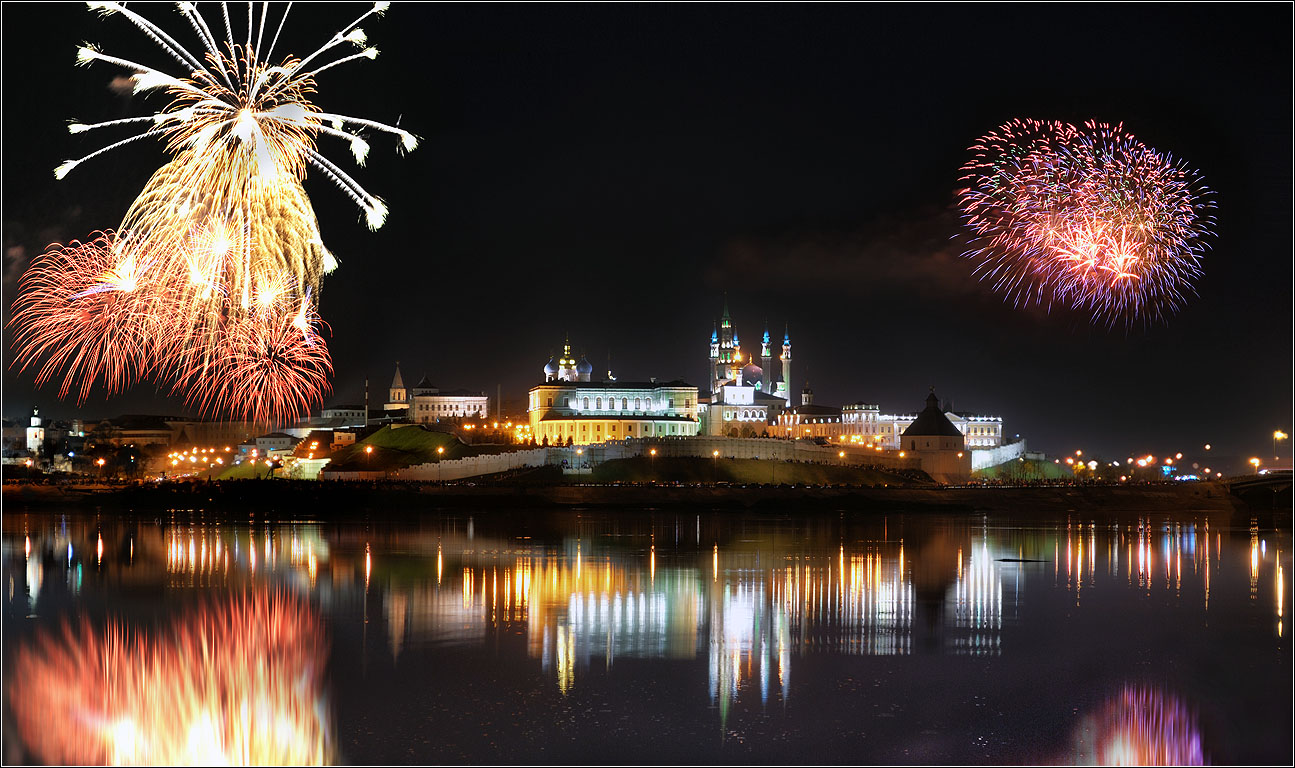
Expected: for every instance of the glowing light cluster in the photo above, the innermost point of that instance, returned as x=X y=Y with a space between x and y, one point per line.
x=210 y=283
x=233 y=684
x=1087 y=218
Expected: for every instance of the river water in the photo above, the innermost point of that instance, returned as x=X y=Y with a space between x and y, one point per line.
x=647 y=636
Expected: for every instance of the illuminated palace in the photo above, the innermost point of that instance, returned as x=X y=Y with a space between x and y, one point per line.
x=570 y=406
x=745 y=396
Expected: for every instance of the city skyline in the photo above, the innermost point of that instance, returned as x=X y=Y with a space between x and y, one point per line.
x=619 y=192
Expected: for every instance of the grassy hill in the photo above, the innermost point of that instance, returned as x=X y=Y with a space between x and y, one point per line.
x=398 y=448
x=1025 y=470
x=738 y=471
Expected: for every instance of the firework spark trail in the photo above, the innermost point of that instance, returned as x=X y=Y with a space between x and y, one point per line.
x=222 y=246
x=238 y=683
x=266 y=369
x=82 y=309
x=1089 y=218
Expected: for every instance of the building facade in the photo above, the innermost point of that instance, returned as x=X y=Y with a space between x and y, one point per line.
x=569 y=406
x=425 y=403
x=428 y=404
x=941 y=446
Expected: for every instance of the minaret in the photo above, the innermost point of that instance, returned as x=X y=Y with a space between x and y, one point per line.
x=714 y=359
x=728 y=349
x=786 y=362
x=764 y=359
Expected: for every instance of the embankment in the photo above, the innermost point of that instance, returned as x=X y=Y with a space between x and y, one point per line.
x=304 y=499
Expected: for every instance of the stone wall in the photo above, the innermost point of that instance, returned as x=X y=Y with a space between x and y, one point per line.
x=588 y=456
x=992 y=457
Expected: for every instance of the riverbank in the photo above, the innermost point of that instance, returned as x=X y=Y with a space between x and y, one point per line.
x=304 y=499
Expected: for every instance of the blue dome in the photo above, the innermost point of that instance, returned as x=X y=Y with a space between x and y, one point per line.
x=584 y=366
x=552 y=368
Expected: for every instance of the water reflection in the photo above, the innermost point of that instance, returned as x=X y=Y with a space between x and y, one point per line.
x=1140 y=726
x=237 y=682
x=745 y=606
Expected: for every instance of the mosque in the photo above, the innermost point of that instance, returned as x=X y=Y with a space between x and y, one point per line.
x=745 y=396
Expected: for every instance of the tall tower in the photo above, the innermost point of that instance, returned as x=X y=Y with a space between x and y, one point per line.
x=713 y=370
x=35 y=432
x=728 y=352
x=396 y=395
x=786 y=363
x=764 y=359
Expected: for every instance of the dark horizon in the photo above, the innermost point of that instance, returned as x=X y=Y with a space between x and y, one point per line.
x=612 y=172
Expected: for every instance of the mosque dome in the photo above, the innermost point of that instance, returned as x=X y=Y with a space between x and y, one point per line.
x=552 y=368
x=584 y=367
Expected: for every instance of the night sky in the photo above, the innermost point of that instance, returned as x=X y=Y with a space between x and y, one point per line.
x=611 y=171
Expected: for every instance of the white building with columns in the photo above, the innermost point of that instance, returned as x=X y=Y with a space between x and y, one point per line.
x=569 y=405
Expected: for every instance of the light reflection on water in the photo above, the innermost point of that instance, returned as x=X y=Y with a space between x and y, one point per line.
x=755 y=605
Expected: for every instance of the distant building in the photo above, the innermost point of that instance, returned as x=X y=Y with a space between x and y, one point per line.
x=275 y=441
x=810 y=420
x=739 y=410
x=397 y=396
x=350 y=415
x=728 y=364
x=941 y=446
x=35 y=433
x=568 y=405
x=428 y=404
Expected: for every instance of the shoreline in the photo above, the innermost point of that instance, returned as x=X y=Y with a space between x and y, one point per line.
x=330 y=499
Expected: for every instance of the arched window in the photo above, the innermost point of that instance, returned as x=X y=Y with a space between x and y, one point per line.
x=638 y=403
x=625 y=403
x=649 y=403
x=586 y=403
x=599 y=404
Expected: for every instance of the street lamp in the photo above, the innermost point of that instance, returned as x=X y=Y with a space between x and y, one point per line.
x=1255 y=462
x=1278 y=435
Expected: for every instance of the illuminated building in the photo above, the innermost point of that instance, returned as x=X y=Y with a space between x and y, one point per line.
x=729 y=366
x=565 y=368
x=981 y=432
x=570 y=406
x=35 y=433
x=427 y=404
x=940 y=445
x=739 y=410
x=809 y=420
